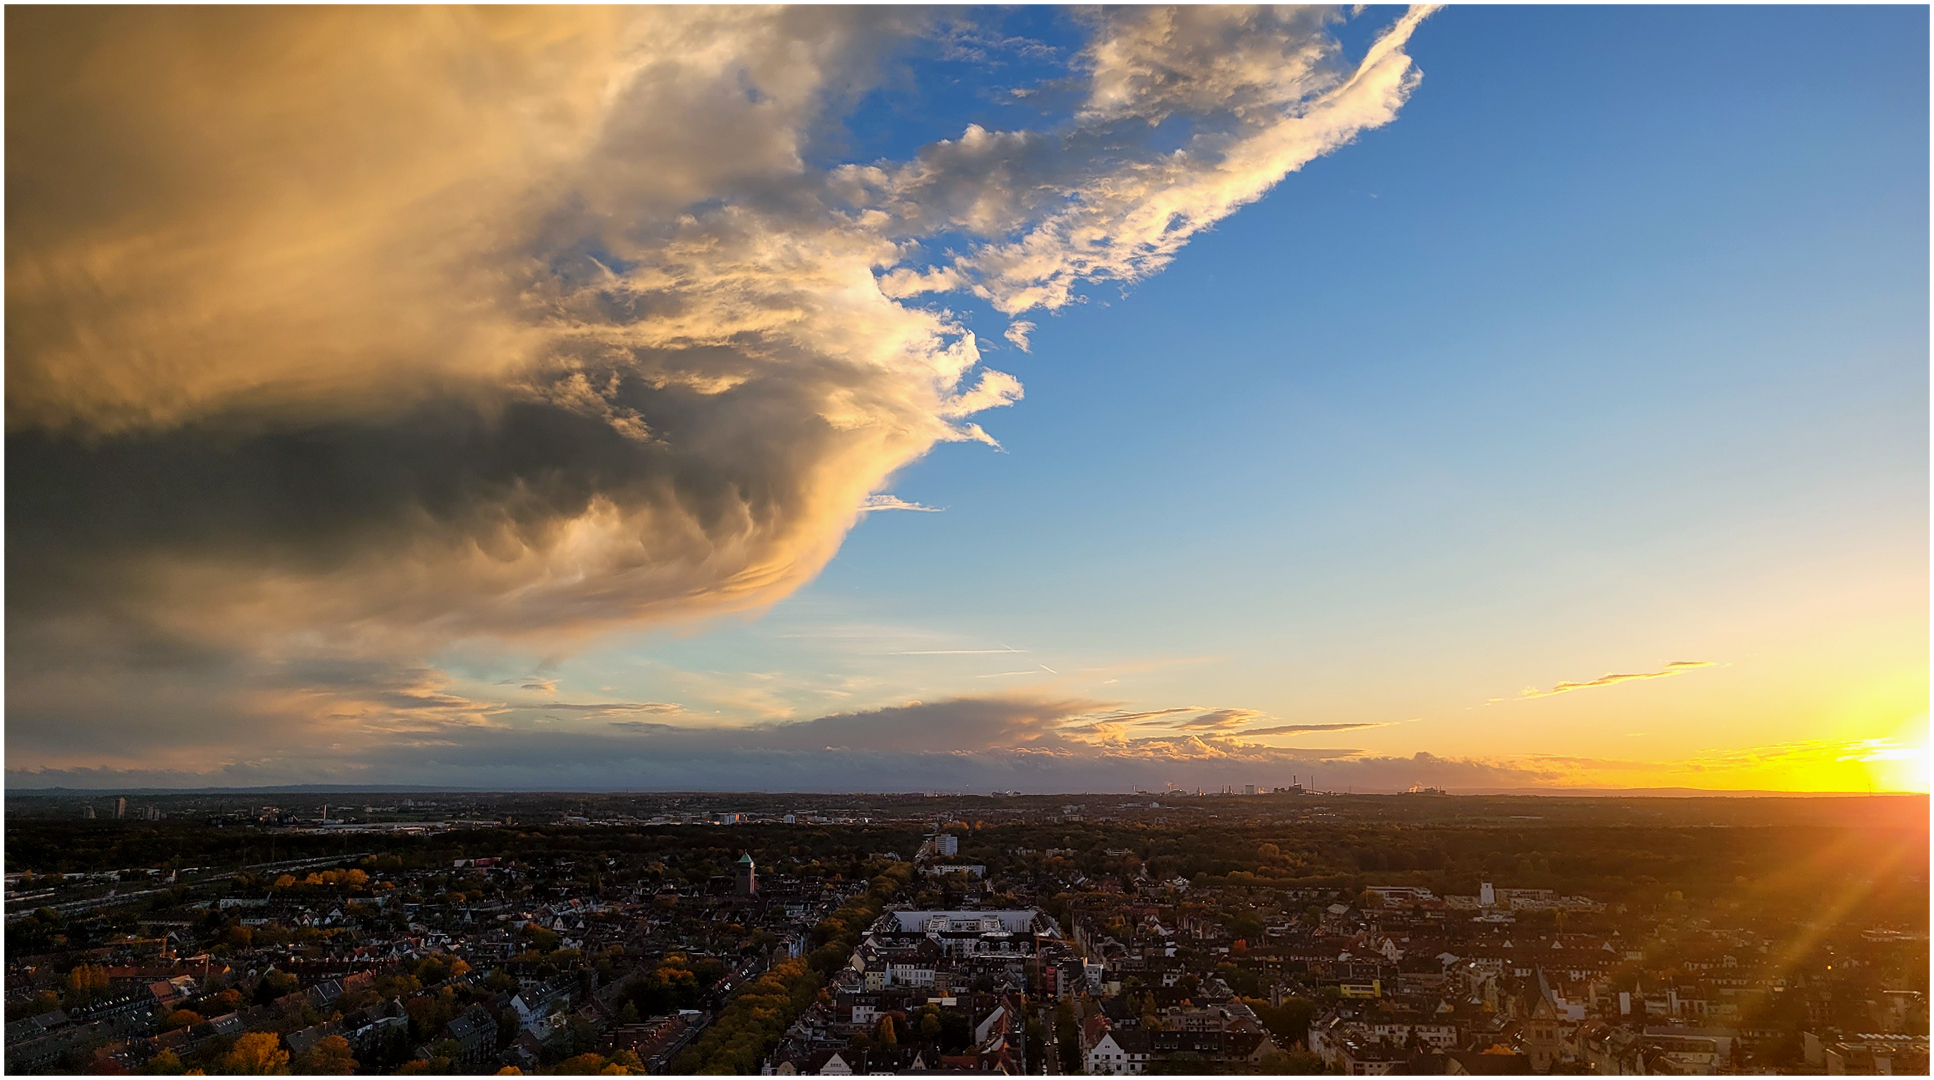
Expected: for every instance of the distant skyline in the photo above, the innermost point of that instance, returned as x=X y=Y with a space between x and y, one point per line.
x=842 y=399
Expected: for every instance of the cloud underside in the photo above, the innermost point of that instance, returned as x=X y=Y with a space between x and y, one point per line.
x=406 y=727
x=346 y=333
x=959 y=744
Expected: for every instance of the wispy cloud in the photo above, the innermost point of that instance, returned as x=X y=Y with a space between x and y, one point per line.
x=1226 y=722
x=1298 y=729
x=894 y=502
x=612 y=708
x=1219 y=720
x=1677 y=667
x=956 y=652
x=1145 y=715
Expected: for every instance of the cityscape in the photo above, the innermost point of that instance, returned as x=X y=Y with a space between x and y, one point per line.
x=1288 y=931
x=1049 y=540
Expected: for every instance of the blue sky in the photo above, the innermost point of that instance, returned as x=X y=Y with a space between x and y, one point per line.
x=1609 y=351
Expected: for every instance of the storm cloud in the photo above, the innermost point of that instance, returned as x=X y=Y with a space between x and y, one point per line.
x=339 y=335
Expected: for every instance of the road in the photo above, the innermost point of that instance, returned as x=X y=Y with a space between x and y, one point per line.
x=1051 y=1058
x=114 y=898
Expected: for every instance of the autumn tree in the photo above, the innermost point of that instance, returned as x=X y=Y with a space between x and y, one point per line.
x=258 y=1053
x=586 y=1064
x=86 y=982
x=330 y=1056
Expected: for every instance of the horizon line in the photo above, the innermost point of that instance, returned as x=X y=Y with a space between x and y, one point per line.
x=1581 y=793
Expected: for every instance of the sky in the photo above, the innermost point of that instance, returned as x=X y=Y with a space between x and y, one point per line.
x=886 y=399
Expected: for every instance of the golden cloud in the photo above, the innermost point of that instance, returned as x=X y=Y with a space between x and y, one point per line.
x=357 y=331
x=1677 y=667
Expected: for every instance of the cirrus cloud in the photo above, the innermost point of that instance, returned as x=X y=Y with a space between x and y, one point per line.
x=1677 y=667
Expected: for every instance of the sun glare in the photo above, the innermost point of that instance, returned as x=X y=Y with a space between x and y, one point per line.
x=1902 y=764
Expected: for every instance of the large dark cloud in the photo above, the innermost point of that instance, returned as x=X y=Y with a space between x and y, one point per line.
x=337 y=336
x=441 y=486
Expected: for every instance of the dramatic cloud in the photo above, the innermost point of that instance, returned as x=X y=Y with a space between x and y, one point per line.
x=344 y=333
x=1262 y=92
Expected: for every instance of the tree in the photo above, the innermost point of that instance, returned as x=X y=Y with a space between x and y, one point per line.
x=86 y=981
x=622 y=1063
x=329 y=1057
x=274 y=984
x=164 y=1064
x=258 y=1053
x=44 y=1002
x=1289 y=1022
x=1303 y=1063
x=396 y=984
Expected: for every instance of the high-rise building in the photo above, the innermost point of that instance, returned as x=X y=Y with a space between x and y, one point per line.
x=90 y=811
x=120 y=808
x=1486 y=896
x=748 y=876
x=946 y=844
x=1248 y=789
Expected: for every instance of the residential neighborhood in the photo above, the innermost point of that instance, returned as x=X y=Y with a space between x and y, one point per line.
x=922 y=934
